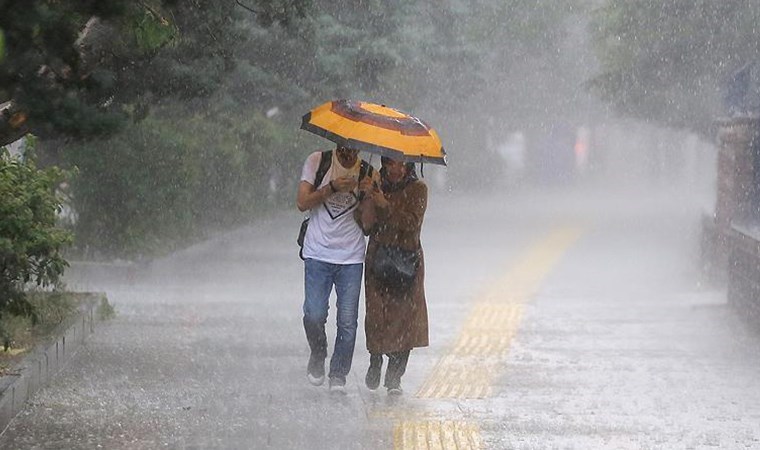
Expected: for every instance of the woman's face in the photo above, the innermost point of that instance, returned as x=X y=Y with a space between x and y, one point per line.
x=395 y=170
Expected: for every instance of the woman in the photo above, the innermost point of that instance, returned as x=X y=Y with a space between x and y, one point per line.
x=396 y=316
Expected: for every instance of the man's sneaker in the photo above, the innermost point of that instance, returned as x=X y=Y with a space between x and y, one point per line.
x=337 y=386
x=315 y=371
x=315 y=380
x=395 y=391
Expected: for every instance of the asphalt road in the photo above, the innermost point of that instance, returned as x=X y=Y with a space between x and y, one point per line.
x=572 y=318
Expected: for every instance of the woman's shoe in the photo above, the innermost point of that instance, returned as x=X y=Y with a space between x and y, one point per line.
x=373 y=373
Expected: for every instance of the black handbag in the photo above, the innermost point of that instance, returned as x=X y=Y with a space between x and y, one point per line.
x=395 y=267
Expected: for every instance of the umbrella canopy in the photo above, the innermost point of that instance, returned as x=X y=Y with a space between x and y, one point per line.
x=376 y=129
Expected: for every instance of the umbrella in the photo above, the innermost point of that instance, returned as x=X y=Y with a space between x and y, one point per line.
x=376 y=129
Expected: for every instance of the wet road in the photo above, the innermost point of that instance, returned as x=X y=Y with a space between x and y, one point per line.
x=566 y=319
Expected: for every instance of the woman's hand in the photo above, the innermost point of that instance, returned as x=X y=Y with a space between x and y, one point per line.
x=378 y=197
x=371 y=190
x=366 y=185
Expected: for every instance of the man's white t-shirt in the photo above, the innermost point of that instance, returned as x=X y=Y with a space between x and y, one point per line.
x=333 y=235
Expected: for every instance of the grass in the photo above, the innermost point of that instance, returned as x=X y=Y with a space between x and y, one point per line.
x=53 y=310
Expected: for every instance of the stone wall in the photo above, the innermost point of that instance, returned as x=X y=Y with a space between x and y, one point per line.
x=731 y=239
x=734 y=188
x=744 y=271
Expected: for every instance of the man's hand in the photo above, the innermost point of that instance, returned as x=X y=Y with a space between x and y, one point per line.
x=344 y=184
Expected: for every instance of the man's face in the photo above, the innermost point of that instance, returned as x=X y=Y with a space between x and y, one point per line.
x=347 y=156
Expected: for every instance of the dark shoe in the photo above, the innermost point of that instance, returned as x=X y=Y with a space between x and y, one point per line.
x=315 y=371
x=372 y=380
x=338 y=386
x=395 y=391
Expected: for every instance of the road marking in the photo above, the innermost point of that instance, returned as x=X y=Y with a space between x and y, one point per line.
x=436 y=434
x=468 y=370
x=477 y=356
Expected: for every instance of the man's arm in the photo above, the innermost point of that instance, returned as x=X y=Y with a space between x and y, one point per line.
x=309 y=197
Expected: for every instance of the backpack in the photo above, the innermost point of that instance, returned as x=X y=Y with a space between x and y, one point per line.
x=324 y=165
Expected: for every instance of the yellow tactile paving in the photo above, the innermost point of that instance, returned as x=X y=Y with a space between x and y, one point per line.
x=469 y=368
x=436 y=434
x=474 y=361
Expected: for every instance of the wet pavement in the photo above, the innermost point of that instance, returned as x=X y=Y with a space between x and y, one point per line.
x=568 y=319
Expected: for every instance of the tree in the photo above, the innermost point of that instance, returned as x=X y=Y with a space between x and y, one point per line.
x=201 y=100
x=82 y=69
x=43 y=74
x=668 y=61
x=30 y=242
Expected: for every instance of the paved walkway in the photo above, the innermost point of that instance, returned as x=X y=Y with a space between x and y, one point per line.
x=560 y=320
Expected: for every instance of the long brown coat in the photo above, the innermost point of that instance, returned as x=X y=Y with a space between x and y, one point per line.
x=397 y=322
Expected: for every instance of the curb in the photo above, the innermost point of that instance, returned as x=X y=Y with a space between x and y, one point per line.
x=39 y=367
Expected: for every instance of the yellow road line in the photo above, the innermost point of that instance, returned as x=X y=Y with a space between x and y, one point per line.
x=476 y=358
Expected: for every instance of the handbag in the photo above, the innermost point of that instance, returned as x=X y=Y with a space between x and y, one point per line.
x=395 y=267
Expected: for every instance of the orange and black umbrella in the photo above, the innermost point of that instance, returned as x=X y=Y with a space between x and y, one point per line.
x=376 y=129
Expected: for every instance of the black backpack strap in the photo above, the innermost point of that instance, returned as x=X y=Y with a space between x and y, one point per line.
x=364 y=170
x=325 y=159
x=324 y=165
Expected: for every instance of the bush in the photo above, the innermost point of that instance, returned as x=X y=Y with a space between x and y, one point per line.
x=30 y=241
x=173 y=177
x=131 y=193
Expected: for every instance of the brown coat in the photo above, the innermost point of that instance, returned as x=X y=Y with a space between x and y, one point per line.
x=397 y=322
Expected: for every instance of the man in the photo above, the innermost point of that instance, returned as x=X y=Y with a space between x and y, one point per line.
x=333 y=253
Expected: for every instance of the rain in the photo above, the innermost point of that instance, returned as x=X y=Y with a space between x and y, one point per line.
x=591 y=235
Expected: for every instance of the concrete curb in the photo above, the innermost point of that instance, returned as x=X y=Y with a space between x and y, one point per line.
x=39 y=367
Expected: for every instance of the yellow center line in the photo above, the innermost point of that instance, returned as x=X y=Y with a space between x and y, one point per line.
x=476 y=359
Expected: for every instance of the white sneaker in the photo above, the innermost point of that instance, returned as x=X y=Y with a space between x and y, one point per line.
x=338 y=389
x=315 y=381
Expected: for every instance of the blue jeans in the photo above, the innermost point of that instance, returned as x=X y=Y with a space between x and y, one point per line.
x=319 y=280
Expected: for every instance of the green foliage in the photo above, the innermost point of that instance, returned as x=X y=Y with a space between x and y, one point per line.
x=666 y=61
x=153 y=31
x=104 y=310
x=132 y=191
x=81 y=69
x=163 y=182
x=2 y=45
x=283 y=12
x=14 y=330
x=43 y=72
x=52 y=309
x=30 y=242
x=197 y=78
